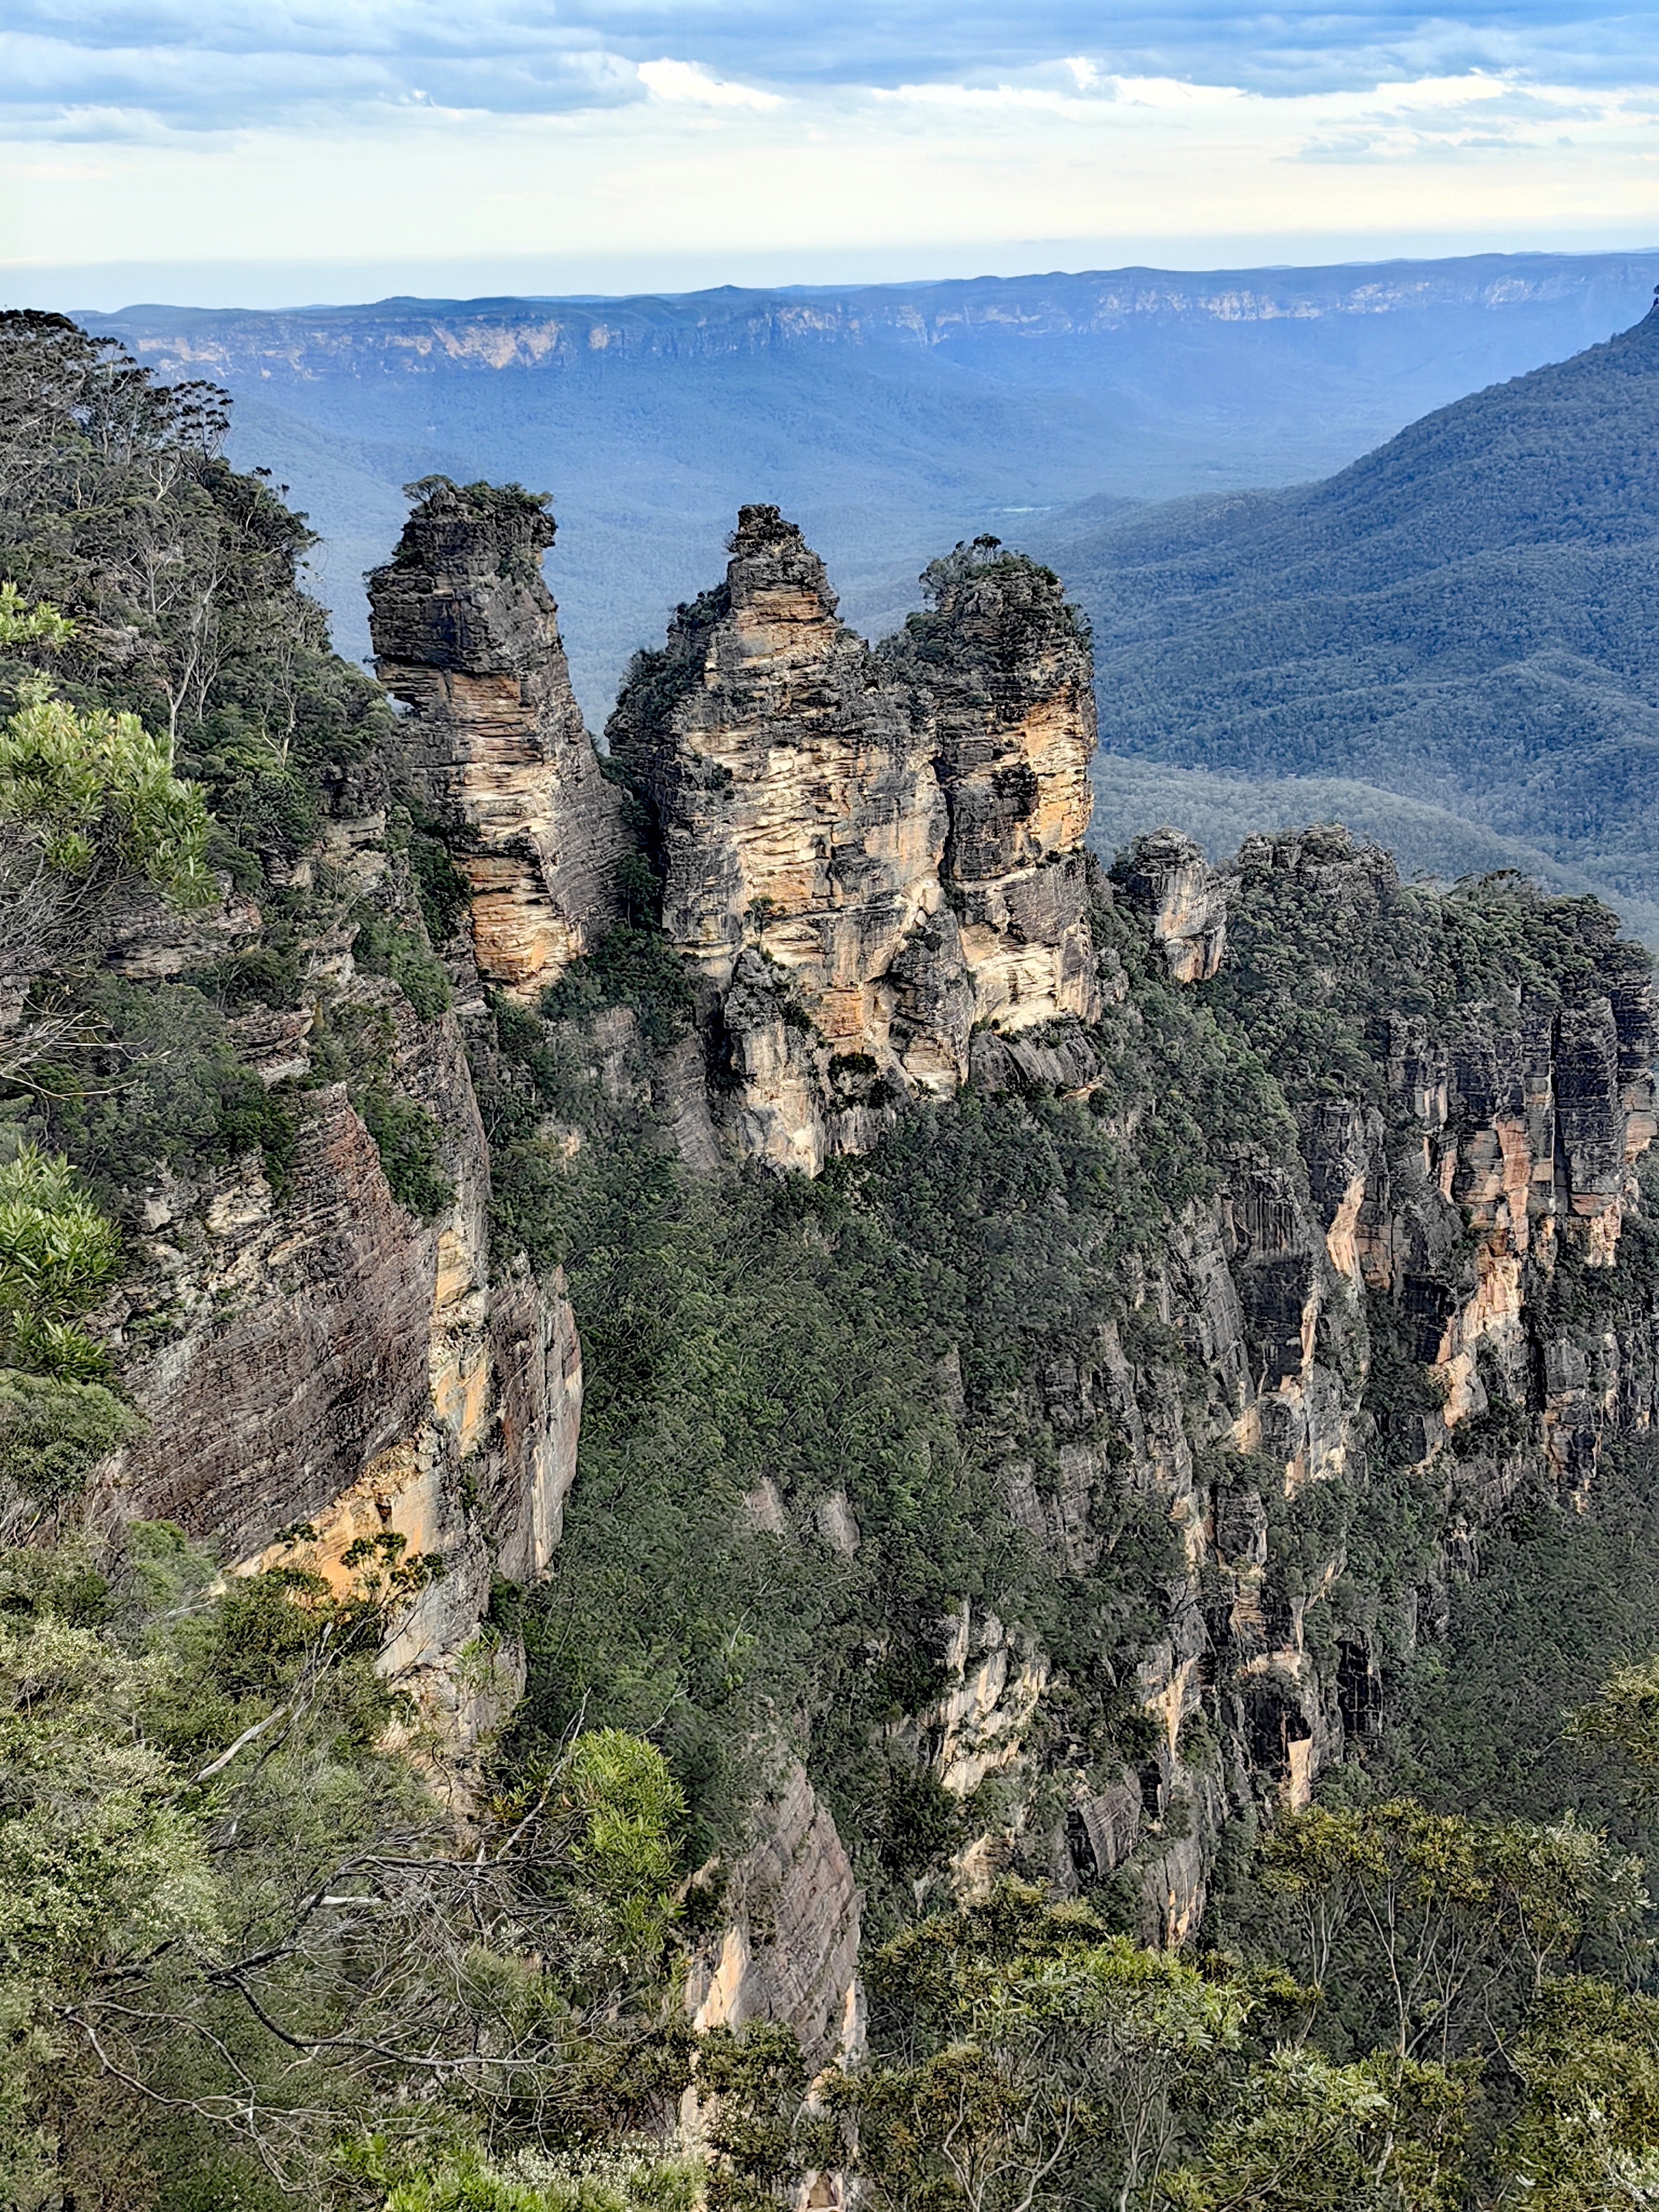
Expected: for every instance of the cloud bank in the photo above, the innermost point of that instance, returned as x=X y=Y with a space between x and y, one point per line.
x=144 y=65
x=266 y=130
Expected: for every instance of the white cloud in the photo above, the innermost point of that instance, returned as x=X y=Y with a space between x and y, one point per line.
x=961 y=96
x=1175 y=93
x=570 y=150
x=684 y=81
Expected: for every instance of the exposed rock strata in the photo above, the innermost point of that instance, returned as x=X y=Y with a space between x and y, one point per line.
x=788 y=1950
x=1001 y=660
x=1426 y=1228
x=1186 y=900
x=314 y=1364
x=872 y=863
x=467 y=637
x=864 y=854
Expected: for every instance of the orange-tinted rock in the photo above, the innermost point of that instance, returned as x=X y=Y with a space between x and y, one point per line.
x=493 y=746
x=865 y=854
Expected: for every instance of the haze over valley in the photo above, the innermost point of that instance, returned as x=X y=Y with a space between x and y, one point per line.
x=892 y=421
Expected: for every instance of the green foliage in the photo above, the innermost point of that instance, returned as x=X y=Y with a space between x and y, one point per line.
x=1587 y=2133
x=99 y=791
x=158 y=1082
x=53 y=1432
x=751 y=2086
x=23 y=624
x=385 y=946
x=1429 y=1927
x=1023 y=2054
x=58 y=1252
x=1385 y=2134
x=1016 y=608
x=538 y=2182
x=178 y=575
x=408 y=1142
x=631 y=966
x=656 y=680
x=1626 y=1716
x=1563 y=1598
x=478 y=499
x=235 y=1929
x=631 y=1808
x=98 y=1861
x=922 y=1819
x=444 y=893
x=1325 y=944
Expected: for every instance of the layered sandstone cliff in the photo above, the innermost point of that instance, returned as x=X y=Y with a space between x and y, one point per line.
x=317 y=1365
x=1391 y=1299
x=864 y=854
x=493 y=744
x=871 y=865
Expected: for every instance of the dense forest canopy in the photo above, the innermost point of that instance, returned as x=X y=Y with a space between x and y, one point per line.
x=1461 y=621
x=257 y=1947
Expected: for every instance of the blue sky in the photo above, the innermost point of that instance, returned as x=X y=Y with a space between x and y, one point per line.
x=320 y=142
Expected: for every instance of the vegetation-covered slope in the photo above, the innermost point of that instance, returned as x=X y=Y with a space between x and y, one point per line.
x=1463 y=618
x=1036 y=1504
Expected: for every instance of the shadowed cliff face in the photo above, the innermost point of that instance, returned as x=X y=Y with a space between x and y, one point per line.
x=865 y=854
x=467 y=637
x=1395 y=1297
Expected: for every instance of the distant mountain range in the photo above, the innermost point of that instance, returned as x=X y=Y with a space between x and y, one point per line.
x=889 y=420
x=1453 y=644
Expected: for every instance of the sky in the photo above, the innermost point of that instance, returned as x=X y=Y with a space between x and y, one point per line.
x=268 y=152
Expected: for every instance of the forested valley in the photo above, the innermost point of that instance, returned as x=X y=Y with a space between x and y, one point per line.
x=1453 y=632
x=664 y=1550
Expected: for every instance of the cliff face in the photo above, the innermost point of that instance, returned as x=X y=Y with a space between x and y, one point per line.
x=1005 y=673
x=789 y=1949
x=1393 y=1302
x=864 y=854
x=315 y=1362
x=1387 y=1280
x=467 y=637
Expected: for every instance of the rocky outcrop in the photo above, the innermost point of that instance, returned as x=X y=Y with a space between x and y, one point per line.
x=1171 y=882
x=319 y=1368
x=1006 y=670
x=788 y=1945
x=493 y=745
x=864 y=854
x=1374 y=1299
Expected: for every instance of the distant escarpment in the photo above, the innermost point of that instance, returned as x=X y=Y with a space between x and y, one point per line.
x=866 y=856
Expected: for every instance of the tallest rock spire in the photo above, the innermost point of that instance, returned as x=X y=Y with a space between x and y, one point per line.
x=865 y=854
x=466 y=634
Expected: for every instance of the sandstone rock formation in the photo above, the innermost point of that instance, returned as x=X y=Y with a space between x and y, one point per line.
x=872 y=864
x=865 y=854
x=467 y=637
x=1185 y=898
x=317 y=1365
x=1006 y=669
x=788 y=1950
x=1413 y=1238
